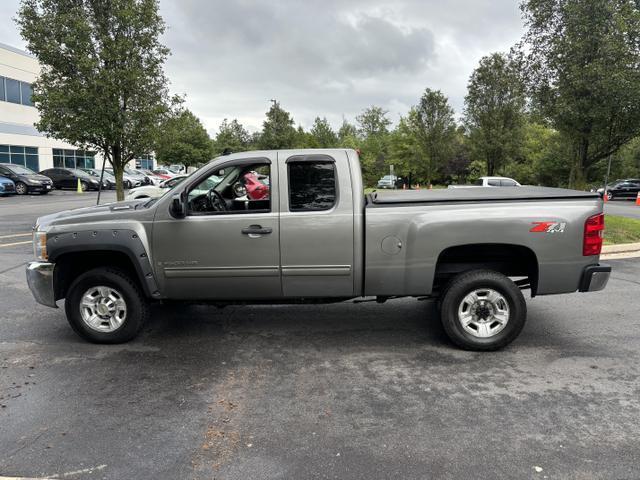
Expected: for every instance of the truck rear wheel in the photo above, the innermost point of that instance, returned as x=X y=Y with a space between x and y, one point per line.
x=104 y=305
x=483 y=310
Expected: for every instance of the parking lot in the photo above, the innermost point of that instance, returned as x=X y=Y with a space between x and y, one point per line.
x=349 y=391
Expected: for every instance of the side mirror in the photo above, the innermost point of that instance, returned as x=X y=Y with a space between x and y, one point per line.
x=178 y=208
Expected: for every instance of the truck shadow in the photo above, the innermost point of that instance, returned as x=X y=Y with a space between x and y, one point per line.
x=398 y=322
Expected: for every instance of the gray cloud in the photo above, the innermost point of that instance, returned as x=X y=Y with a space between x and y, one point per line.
x=329 y=58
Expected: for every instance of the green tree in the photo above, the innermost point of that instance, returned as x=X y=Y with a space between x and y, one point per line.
x=583 y=66
x=373 y=132
x=435 y=129
x=102 y=84
x=457 y=166
x=231 y=137
x=322 y=134
x=405 y=152
x=494 y=109
x=184 y=140
x=346 y=132
x=544 y=158
x=277 y=130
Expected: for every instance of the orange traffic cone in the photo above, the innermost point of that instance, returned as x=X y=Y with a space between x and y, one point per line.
x=430 y=186
x=604 y=197
x=417 y=186
x=79 y=190
x=404 y=186
x=638 y=199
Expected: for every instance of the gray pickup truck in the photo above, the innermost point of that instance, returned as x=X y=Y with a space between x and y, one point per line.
x=295 y=226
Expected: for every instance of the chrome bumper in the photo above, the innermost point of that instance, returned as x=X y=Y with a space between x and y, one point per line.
x=594 y=278
x=40 y=280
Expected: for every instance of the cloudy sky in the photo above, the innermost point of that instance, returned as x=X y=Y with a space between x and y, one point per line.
x=329 y=58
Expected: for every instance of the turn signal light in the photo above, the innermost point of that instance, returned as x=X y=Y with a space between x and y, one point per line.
x=593 y=231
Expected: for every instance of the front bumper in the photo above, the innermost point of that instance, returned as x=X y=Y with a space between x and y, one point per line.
x=40 y=280
x=594 y=278
x=45 y=187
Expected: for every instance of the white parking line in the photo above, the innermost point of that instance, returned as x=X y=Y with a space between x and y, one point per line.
x=59 y=475
x=17 y=235
x=13 y=245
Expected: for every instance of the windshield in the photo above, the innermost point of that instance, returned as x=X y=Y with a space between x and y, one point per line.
x=170 y=185
x=79 y=173
x=20 y=170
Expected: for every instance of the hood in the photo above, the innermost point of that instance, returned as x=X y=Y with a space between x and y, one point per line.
x=36 y=176
x=117 y=211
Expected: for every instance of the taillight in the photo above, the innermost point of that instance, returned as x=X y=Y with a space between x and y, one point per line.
x=593 y=230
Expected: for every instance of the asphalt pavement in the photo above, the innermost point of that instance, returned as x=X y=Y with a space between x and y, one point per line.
x=624 y=208
x=348 y=391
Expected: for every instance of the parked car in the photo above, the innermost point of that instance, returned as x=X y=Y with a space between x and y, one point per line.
x=68 y=178
x=628 y=188
x=7 y=187
x=25 y=179
x=388 y=181
x=164 y=173
x=127 y=180
x=155 y=179
x=176 y=168
x=109 y=179
x=318 y=238
x=152 y=191
x=490 y=182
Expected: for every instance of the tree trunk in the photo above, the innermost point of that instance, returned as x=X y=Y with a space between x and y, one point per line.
x=579 y=179
x=118 y=171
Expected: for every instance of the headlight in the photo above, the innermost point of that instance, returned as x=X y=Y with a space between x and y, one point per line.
x=40 y=245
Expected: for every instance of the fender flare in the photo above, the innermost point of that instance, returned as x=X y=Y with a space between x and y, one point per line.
x=111 y=240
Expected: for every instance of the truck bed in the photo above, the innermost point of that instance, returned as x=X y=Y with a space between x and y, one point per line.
x=474 y=194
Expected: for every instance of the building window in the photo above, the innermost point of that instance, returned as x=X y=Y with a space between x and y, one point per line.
x=19 y=155
x=73 y=159
x=25 y=94
x=15 y=91
x=145 y=162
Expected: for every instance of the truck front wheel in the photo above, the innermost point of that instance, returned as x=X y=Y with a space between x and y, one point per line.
x=105 y=305
x=483 y=310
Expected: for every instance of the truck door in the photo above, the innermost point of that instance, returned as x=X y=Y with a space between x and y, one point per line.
x=316 y=225
x=227 y=246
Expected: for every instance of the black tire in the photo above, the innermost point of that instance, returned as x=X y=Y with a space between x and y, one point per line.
x=466 y=283
x=21 y=188
x=136 y=304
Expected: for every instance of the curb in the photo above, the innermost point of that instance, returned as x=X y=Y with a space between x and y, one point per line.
x=624 y=250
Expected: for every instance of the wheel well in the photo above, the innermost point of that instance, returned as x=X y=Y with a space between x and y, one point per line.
x=510 y=260
x=71 y=265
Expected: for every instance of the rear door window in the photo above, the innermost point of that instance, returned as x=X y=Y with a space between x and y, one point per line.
x=312 y=186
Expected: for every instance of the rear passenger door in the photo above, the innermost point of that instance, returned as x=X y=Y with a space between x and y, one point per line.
x=316 y=225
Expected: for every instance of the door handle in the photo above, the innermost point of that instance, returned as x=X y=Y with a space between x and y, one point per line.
x=256 y=230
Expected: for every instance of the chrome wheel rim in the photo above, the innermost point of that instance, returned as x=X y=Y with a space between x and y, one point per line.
x=103 y=309
x=21 y=189
x=483 y=313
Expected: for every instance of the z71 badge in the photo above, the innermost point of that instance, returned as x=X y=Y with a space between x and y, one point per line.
x=548 y=227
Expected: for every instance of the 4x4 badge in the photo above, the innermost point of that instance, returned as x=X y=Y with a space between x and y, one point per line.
x=548 y=227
